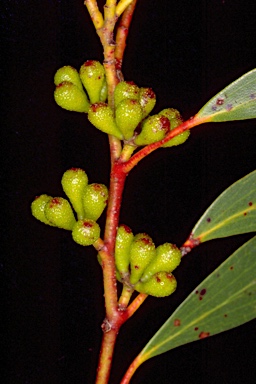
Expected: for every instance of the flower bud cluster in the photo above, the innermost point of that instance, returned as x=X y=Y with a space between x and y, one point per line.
x=86 y=91
x=140 y=264
x=87 y=200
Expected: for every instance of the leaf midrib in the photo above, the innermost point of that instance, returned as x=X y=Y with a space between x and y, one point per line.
x=203 y=316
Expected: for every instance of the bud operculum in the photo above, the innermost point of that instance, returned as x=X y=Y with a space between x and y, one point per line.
x=92 y=74
x=85 y=232
x=147 y=100
x=68 y=96
x=59 y=212
x=125 y=90
x=124 y=240
x=95 y=199
x=38 y=207
x=70 y=74
x=128 y=115
x=175 y=120
x=159 y=285
x=102 y=117
x=154 y=128
x=74 y=182
x=142 y=251
x=168 y=257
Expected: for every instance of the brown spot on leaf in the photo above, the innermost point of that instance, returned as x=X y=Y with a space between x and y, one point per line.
x=177 y=322
x=220 y=101
x=203 y=335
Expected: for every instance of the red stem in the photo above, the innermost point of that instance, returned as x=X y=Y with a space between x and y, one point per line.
x=114 y=317
x=122 y=32
x=131 y=370
x=134 y=160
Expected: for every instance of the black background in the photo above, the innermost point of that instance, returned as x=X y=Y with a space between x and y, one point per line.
x=186 y=51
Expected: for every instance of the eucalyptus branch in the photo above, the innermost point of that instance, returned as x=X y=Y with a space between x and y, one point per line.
x=133 y=259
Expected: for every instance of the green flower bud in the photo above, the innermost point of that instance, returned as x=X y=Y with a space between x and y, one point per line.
x=73 y=183
x=173 y=115
x=95 y=199
x=154 y=128
x=159 y=285
x=70 y=97
x=124 y=240
x=175 y=120
x=70 y=74
x=38 y=207
x=85 y=232
x=128 y=116
x=102 y=117
x=59 y=212
x=126 y=90
x=104 y=91
x=92 y=74
x=177 y=140
x=147 y=100
x=168 y=257
x=142 y=251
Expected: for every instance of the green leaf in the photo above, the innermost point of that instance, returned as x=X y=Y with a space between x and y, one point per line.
x=235 y=102
x=232 y=213
x=224 y=300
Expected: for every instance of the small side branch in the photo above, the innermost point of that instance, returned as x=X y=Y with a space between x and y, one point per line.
x=95 y=13
x=122 y=5
x=122 y=32
x=136 y=304
x=135 y=159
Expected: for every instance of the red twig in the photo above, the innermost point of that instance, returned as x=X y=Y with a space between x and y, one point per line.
x=122 y=32
x=131 y=370
x=136 y=304
x=134 y=160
